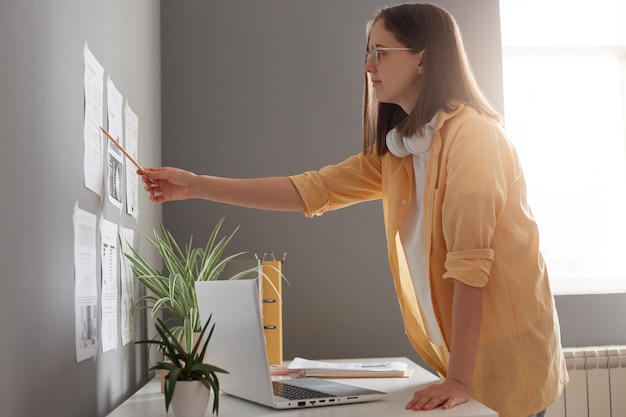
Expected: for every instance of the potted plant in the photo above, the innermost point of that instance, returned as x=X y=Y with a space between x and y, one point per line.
x=189 y=379
x=173 y=290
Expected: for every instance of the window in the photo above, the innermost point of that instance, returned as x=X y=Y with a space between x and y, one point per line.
x=564 y=73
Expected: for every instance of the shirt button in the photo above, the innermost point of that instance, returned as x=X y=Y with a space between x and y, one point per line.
x=403 y=201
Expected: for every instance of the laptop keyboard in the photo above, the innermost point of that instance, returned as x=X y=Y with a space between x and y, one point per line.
x=292 y=392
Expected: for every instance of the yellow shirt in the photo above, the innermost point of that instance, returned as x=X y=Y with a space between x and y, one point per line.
x=478 y=229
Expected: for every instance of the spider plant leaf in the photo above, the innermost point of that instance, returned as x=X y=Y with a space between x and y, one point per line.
x=156 y=283
x=188 y=333
x=160 y=303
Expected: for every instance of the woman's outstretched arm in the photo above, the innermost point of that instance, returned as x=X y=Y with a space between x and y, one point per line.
x=271 y=193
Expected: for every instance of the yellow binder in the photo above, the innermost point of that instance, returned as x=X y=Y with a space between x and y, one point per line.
x=272 y=310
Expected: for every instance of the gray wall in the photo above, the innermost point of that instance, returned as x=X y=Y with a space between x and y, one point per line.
x=274 y=88
x=41 y=178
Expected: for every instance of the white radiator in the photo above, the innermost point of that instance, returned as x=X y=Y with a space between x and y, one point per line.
x=597 y=386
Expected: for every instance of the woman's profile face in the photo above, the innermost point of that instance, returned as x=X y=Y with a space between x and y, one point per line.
x=395 y=77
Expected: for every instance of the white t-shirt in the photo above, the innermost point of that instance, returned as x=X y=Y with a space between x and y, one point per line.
x=412 y=228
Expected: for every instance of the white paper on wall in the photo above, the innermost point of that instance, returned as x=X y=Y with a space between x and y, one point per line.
x=85 y=284
x=110 y=278
x=131 y=145
x=115 y=158
x=94 y=95
x=128 y=287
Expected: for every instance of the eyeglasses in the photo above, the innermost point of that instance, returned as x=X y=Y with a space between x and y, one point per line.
x=373 y=52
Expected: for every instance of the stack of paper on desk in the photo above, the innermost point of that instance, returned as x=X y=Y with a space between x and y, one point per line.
x=349 y=369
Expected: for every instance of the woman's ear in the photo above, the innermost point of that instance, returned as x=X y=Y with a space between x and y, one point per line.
x=421 y=66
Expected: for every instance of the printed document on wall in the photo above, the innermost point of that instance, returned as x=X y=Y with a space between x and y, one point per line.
x=128 y=287
x=92 y=137
x=132 y=179
x=85 y=284
x=115 y=158
x=108 y=251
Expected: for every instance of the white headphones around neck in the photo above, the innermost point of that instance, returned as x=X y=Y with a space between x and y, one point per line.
x=401 y=146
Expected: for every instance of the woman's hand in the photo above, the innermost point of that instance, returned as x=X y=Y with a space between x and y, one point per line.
x=466 y=321
x=446 y=394
x=167 y=184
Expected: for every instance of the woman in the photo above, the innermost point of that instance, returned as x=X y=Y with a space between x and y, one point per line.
x=463 y=246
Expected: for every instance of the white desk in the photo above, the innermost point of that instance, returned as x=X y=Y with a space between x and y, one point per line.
x=149 y=401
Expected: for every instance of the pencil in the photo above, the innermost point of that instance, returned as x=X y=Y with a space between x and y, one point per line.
x=123 y=150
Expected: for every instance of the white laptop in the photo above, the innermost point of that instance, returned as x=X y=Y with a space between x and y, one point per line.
x=238 y=346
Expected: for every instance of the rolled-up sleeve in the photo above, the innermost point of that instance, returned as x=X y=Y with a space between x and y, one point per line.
x=312 y=191
x=333 y=187
x=472 y=267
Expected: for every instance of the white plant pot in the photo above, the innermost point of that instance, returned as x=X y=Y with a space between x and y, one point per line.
x=191 y=399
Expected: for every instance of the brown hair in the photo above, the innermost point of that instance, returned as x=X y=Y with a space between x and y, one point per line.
x=447 y=78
